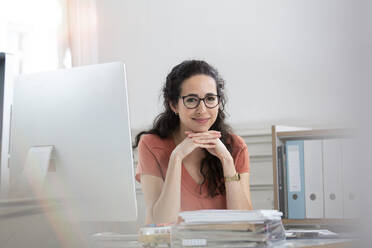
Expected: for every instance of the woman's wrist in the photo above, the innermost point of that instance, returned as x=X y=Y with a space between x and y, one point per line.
x=228 y=166
x=227 y=160
x=176 y=157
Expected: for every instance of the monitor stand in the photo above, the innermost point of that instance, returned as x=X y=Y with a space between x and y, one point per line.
x=27 y=197
x=34 y=174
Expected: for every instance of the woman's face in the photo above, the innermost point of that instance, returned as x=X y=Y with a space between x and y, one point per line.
x=201 y=118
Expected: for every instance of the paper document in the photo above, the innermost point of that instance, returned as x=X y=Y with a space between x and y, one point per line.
x=218 y=215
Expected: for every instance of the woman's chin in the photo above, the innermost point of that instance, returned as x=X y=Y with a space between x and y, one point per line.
x=200 y=129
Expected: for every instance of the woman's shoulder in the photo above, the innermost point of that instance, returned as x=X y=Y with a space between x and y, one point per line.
x=154 y=141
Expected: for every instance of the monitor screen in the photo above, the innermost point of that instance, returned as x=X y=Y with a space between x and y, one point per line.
x=8 y=70
x=2 y=83
x=82 y=115
x=2 y=80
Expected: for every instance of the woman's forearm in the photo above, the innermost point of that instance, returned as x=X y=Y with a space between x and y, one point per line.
x=167 y=207
x=235 y=194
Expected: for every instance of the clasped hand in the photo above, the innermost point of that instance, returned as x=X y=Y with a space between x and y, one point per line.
x=210 y=140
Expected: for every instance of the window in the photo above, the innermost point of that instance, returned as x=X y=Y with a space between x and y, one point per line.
x=36 y=32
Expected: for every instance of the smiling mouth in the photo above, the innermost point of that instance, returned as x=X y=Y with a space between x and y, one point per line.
x=201 y=120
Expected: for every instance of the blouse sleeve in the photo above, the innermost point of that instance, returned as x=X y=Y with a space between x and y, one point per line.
x=147 y=162
x=242 y=161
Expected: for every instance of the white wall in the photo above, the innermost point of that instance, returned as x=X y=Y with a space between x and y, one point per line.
x=288 y=62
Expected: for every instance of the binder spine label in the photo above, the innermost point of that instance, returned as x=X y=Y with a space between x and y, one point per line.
x=294 y=170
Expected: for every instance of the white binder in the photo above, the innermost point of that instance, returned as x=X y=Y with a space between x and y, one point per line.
x=350 y=168
x=332 y=176
x=313 y=164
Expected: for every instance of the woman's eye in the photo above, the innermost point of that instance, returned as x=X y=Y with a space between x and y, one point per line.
x=191 y=99
x=211 y=98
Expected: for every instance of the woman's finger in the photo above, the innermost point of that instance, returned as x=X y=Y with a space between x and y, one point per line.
x=205 y=134
x=206 y=145
x=202 y=133
x=205 y=141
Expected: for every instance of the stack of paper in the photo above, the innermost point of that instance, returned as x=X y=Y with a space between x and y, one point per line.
x=228 y=228
x=213 y=215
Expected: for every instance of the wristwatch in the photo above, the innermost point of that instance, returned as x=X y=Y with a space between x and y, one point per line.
x=236 y=177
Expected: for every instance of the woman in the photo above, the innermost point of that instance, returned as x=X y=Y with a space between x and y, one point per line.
x=190 y=160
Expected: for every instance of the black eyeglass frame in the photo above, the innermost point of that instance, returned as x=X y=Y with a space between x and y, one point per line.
x=201 y=99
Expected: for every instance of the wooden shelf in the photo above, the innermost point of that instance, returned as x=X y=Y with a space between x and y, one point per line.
x=316 y=134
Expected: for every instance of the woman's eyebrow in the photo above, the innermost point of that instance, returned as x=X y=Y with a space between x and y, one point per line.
x=207 y=94
x=192 y=94
x=211 y=94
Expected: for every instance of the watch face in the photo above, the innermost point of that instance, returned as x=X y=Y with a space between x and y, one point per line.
x=236 y=177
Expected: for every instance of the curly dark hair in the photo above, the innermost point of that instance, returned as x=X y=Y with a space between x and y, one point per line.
x=167 y=121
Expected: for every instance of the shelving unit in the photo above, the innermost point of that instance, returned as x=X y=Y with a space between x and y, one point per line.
x=278 y=139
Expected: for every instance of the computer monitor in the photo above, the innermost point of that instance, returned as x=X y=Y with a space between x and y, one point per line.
x=81 y=116
x=8 y=70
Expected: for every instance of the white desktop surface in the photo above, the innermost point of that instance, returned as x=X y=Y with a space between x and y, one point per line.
x=107 y=240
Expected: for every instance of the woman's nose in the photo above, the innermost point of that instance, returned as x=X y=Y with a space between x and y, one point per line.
x=201 y=107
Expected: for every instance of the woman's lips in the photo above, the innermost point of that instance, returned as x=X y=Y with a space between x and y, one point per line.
x=201 y=120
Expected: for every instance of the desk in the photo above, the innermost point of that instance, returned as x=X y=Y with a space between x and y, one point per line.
x=318 y=243
x=129 y=240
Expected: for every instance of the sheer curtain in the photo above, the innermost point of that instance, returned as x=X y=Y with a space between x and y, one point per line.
x=82 y=26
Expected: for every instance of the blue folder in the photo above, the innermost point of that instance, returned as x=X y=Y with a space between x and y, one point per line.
x=295 y=179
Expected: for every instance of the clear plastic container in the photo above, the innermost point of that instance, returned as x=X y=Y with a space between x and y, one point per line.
x=114 y=240
x=151 y=237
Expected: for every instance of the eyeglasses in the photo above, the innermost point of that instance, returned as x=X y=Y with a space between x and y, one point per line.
x=193 y=101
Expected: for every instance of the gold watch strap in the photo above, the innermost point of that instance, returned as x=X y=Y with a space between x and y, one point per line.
x=236 y=177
